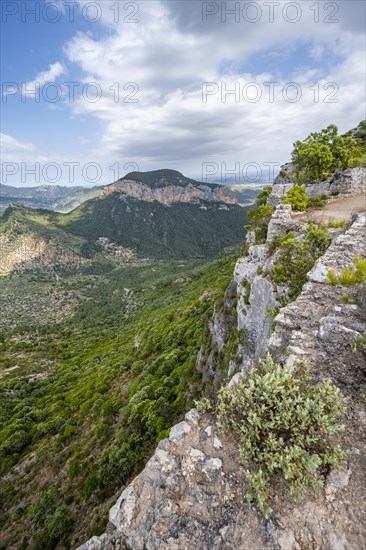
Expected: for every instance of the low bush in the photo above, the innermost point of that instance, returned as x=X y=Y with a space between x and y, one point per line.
x=284 y=426
x=258 y=222
x=247 y=286
x=316 y=201
x=297 y=256
x=263 y=195
x=297 y=198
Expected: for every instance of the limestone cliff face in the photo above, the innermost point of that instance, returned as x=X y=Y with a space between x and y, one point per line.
x=170 y=194
x=192 y=492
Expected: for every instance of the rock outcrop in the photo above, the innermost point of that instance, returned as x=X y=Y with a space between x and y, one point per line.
x=256 y=299
x=318 y=327
x=190 y=495
x=192 y=492
x=350 y=182
x=221 y=327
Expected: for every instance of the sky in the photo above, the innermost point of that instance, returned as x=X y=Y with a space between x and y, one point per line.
x=220 y=91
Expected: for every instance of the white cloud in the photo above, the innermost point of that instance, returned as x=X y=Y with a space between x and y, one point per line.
x=13 y=150
x=54 y=71
x=169 y=53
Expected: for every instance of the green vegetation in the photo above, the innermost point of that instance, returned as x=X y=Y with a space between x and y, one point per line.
x=85 y=401
x=150 y=229
x=350 y=276
x=317 y=202
x=258 y=221
x=297 y=256
x=321 y=153
x=263 y=195
x=337 y=224
x=203 y=405
x=297 y=198
x=359 y=343
x=271 y=313
x=247 y=286
x=359 y=134
x=284 y=426
x=260 y=216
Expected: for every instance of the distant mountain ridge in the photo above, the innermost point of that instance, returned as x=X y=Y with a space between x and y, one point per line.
x=51 y=197
x=52 y=191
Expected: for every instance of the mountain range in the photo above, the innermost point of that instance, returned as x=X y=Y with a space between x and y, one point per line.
x=64 y=199
x=159 y=214
x=52 y=197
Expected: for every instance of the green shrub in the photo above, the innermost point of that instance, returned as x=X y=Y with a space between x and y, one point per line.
x=90 y=485
x=349 y=276
x=296 y=257
x=332 y=277
x=284 y=426
x=316 y=201
x=74 y=468
x=258 y=222
x=346 y=299
x=117 y=464
x=358 y=158
x=271 y=313
x=247 y=286
x=297 y=198
x=263 y=195
x=59 y=524
x=321 y=153
x=203 y=405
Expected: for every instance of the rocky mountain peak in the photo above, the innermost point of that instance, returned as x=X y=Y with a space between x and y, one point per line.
x=168 y=187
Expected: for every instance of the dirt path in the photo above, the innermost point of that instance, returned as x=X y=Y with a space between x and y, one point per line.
x=336 y=209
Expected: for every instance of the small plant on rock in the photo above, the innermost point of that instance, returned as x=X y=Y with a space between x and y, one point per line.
x=359 y=343
x=284 y=426
x=203 y=405
x=350 y=276
x=337 y=224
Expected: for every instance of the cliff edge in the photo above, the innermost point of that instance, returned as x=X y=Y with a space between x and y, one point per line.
x=192 y=492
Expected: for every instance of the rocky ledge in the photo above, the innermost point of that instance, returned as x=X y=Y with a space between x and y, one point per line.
x=191 y=494
x=350 y=182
